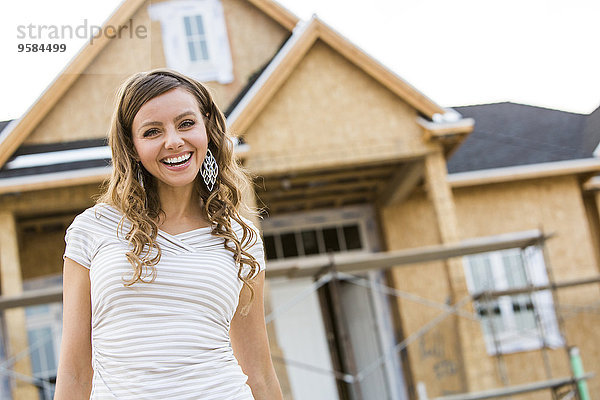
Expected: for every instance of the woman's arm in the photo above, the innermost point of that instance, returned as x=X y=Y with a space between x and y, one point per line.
x=251 y=345
x=74 y=377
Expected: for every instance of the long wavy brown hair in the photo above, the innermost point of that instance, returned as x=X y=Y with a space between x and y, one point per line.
x=138 y=199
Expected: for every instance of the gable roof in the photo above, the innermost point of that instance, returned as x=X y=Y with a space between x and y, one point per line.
x=13 y=136
x=509 y=134
x=283 y=64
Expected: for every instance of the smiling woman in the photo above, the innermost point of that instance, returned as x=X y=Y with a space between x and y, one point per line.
x=163 y=279
x=171 y=144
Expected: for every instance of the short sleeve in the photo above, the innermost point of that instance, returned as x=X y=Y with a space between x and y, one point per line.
x=257 y=250
x=80 y=243
x=256 y=246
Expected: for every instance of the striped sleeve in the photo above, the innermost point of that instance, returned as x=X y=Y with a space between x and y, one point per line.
x=256 y=248
x=79 y=243
x=257 y=251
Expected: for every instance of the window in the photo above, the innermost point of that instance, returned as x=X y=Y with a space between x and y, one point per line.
x=513 y=323
x=44 y=329
x=194 y=37
x=319 y=240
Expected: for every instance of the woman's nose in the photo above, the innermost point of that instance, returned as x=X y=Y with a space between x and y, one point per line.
x=172 y=139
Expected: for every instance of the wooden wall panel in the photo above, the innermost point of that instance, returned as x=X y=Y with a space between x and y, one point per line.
x=14 y=319
x=328 y=113
x=435 y=358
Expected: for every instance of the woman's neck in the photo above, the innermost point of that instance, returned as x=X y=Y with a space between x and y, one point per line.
x=182 y=208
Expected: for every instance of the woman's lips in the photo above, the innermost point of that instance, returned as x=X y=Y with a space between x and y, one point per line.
x=178 y=167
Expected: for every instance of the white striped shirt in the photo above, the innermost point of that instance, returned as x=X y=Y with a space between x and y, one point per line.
x=168 y=339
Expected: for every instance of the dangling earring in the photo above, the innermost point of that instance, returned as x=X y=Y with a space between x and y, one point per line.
x=140 y=175
x=210 y=170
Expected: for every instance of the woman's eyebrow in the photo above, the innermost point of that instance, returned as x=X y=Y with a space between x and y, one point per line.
x=183 y=114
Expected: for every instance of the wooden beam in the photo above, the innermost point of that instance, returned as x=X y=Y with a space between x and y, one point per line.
x=274 y=10
x=523 y=172
x=516 y=389
x=32 y=298
x=528 y=289
x=402 y=184
x=54 y=180
x=364 y=186
x=435 y=130
x=373 y=261
x=49 y=201
x=276 y=182
x=322 y=199
x=441 y=198
x=11 y=283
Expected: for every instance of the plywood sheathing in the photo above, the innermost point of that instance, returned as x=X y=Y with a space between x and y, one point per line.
x=41 y=252
x=294 y=51
x=556 y=206
x=14 y=319
x=434 y=358
x=328 y=113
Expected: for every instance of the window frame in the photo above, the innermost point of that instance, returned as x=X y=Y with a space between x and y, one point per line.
x=219 y=65
x=196 y=37
x=510 y=339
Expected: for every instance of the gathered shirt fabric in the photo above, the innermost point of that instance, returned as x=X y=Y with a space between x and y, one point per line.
x=168 y=339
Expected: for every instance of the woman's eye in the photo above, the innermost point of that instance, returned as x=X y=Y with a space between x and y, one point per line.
x=187 y=123
x=150 y=132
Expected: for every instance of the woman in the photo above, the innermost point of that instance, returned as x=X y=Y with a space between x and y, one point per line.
x=163 y=279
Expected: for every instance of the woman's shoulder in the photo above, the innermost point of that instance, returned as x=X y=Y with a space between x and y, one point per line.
x=97 y=217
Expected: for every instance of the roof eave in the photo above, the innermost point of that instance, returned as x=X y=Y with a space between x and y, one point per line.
x=586 y=167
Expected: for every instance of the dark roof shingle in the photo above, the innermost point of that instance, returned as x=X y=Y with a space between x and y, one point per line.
x=509 y=134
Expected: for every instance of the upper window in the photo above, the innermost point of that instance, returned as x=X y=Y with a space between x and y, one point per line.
x=513 y=323
x=195 y=38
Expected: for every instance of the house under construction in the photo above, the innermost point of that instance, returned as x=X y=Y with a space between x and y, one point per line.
x=413 y=251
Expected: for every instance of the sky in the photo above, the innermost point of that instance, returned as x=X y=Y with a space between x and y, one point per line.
x=456 y=52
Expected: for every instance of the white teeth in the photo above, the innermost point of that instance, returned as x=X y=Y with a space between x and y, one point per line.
x=179 y=159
